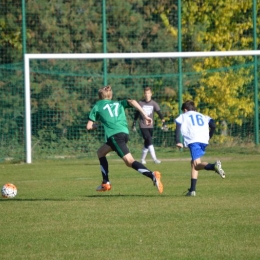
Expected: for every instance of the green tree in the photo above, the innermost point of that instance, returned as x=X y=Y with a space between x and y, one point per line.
x=63 y=91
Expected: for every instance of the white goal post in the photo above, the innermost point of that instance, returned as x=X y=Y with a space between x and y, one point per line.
x=149 y=55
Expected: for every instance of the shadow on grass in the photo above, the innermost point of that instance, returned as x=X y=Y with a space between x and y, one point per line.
x=83 y=198
x=42 y=199
x=128 y=195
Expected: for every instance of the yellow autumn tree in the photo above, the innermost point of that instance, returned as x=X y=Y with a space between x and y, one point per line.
x=222 y=87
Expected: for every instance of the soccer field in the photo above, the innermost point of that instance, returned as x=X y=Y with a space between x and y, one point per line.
x=57 y=214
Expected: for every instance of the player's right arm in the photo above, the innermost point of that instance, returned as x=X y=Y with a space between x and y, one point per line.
x=93 y=116
x=136 y=105
x=178 y=135
x=91 y=125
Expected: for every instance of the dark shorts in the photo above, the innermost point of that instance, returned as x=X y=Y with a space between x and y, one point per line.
x=147 y=132
x=197 y=150
x=118 y=143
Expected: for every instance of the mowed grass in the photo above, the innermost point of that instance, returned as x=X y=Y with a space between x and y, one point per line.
x=57 y=213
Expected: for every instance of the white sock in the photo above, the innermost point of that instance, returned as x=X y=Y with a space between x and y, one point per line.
x=144 y=153
x=152 y=152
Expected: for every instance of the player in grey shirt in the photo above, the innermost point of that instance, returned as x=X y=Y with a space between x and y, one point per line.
x=149 y=106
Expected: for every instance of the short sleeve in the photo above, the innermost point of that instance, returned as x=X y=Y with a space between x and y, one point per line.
x=93 y=115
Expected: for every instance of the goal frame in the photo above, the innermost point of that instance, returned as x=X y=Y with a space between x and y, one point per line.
x=148 y=55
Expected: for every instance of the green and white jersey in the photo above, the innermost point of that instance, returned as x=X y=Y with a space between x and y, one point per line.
x=112 y=116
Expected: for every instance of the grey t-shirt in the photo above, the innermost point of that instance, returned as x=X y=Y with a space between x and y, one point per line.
x=149 y=108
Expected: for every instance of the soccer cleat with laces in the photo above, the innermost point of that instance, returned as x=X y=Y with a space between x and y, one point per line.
x=143 y=161
x=157 y=161
x=219 y=170
x=104 y=187
x=157 y=181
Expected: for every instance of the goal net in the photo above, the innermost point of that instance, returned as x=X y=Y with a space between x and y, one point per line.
x=60 y=90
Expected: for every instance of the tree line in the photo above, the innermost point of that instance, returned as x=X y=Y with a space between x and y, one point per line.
x=62 y=91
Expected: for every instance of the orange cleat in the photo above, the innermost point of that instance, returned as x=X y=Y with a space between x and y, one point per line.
x=104 y=187
x=157 y=181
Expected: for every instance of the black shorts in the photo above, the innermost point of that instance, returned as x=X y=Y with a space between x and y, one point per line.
x=147 y=133
x=118 y=143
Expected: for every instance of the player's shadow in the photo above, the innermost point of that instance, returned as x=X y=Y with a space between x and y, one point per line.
x=83 y=198
x=37 y=199
x=126 y=195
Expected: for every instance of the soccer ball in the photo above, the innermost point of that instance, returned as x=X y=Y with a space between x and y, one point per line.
x=9 y=190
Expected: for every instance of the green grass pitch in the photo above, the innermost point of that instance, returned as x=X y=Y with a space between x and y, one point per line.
x=57 y=213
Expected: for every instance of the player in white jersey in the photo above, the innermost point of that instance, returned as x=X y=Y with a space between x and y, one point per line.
x=196 y=130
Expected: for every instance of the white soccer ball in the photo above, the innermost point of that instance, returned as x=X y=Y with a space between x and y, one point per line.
x=9 y=190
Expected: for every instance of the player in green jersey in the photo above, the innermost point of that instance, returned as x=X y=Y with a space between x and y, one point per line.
x=111 y=113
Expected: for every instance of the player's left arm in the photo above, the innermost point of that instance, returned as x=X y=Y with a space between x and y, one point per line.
x=212 y=127
x=164 y=126
x=160 y=115
x=137 y=114
x=136 y=105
